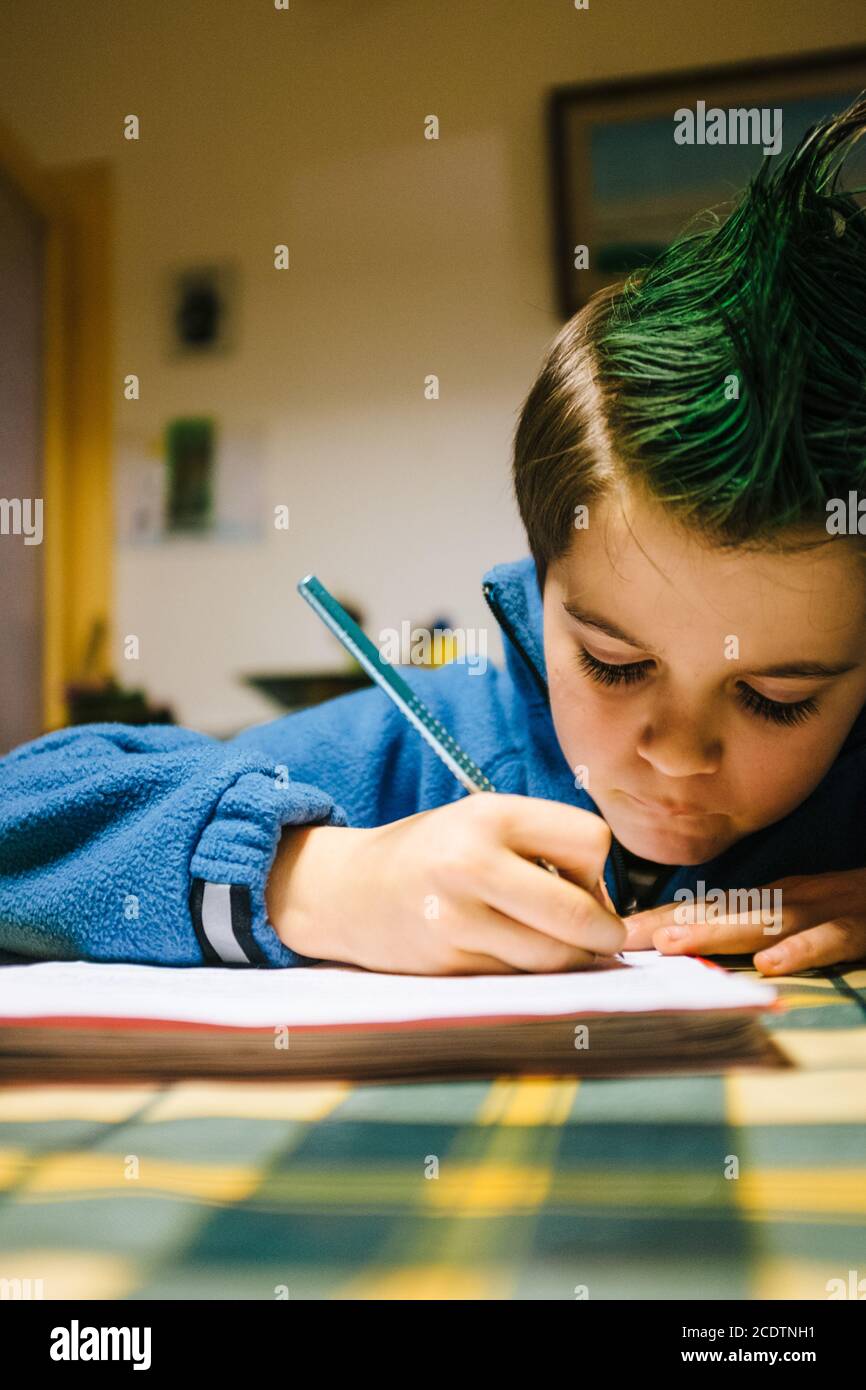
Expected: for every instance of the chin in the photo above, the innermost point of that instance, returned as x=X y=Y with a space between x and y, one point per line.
x=667 y=845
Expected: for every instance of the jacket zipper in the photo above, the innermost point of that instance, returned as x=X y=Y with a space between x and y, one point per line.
x=623 y=887
x=496 y=610
x=621 y=882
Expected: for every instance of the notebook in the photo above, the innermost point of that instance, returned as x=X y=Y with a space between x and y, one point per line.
x=632 y=1014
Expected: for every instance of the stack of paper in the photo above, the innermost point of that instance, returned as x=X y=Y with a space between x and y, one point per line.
x=635 y=1013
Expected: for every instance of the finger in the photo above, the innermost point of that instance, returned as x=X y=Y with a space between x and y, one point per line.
x=842 y=882
x=799 y=902
x=599 y=892
x=701 y=926
x=520 y=947
x=550 y=904
x=842 y=939
x=576 y=841
x=793 y=881
x=603 y=895
x=683 y=924
x=469 y=963
x=640 y=926
x=729 y=939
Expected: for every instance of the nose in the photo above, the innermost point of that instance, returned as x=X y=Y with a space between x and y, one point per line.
x=679 y=745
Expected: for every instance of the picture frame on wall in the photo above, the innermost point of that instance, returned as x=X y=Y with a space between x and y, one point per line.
x=623 y=187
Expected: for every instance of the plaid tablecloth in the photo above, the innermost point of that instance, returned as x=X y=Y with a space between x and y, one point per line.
x=748 y=1184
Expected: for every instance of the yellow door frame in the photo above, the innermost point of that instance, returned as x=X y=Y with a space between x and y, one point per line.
x=76 y=205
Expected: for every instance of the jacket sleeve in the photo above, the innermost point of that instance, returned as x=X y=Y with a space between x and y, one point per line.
x=154 y=843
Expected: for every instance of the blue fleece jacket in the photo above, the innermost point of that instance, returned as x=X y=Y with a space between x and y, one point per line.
x=154 y=844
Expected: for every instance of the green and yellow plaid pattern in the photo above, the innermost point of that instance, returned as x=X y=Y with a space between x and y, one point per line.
x=748 y=1184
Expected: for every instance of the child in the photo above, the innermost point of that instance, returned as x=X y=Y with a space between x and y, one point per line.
x=682 y=706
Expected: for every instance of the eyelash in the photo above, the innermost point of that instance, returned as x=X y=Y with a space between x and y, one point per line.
x=629 y=673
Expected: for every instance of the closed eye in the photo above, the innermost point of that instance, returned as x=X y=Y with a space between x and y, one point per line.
x=631 y=672
x=606 y=674
x=797 y=712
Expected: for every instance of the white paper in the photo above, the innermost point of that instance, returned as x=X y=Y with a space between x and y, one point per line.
x=635 y=982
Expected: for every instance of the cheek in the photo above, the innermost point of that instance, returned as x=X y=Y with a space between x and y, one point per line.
x=589 y=731
x=774 y=772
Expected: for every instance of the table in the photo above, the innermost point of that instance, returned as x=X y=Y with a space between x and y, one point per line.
x=749 y=1184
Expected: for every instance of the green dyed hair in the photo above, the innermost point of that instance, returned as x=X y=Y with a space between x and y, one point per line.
x=635 y=388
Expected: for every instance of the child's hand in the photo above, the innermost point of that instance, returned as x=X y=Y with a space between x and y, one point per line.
x=823 y=922
x=452 y=891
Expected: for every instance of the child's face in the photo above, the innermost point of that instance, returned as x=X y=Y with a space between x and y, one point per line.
x=682 y=759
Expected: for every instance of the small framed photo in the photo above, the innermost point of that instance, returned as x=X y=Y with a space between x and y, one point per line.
x=202 y=309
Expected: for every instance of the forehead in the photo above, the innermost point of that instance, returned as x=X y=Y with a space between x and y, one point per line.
x=639 y=566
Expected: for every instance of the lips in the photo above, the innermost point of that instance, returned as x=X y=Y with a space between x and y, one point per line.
x=670 y=808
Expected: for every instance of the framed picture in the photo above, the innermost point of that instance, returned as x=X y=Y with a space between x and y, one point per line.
x=623 y=186
x=195 y=480
x=189 y=447
x=201 y=309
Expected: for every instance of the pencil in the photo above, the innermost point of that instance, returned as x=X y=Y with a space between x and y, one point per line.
x=419 y=715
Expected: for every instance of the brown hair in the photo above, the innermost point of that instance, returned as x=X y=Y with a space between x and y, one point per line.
x=726 y=378
x=563 y=450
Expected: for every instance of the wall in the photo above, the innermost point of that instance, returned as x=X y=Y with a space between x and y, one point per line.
x=407 y=257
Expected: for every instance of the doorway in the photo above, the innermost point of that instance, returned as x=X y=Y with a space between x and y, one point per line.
x=22 y=245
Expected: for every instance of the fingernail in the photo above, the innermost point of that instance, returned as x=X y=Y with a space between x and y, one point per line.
x=772 y=957
x=676 y=933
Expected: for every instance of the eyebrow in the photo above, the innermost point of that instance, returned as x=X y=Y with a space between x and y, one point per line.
x=785 y=670
x=593 y=620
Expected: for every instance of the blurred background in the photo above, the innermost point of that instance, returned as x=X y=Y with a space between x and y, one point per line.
x=275 y=280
